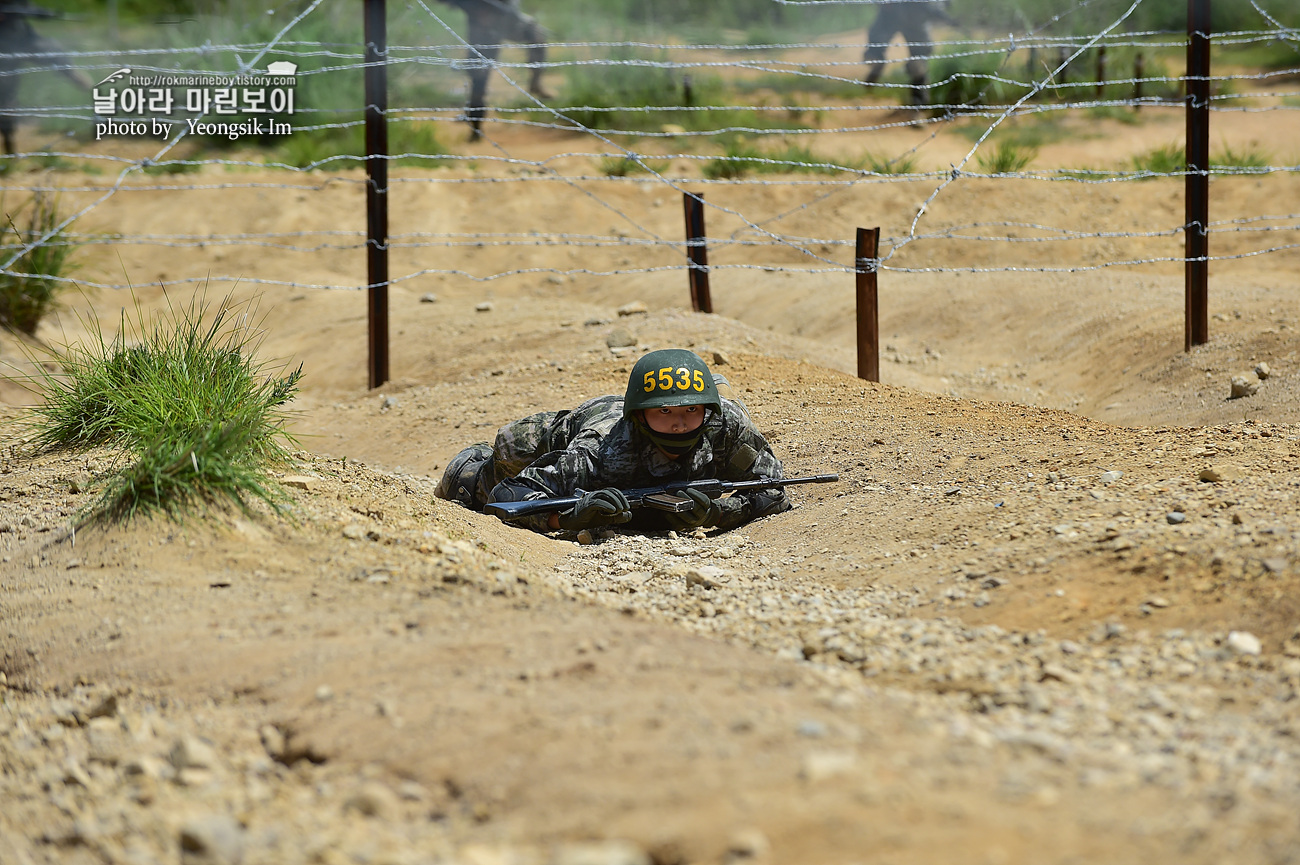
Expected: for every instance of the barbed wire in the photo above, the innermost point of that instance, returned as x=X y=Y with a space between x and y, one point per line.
x=992 y=98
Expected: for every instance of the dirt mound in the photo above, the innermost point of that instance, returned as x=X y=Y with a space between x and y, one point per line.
x=1048 y=613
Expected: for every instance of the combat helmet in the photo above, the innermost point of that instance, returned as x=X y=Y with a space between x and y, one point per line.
x=669 y=377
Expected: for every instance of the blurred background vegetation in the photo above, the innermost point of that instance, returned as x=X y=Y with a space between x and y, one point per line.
x=594 y=93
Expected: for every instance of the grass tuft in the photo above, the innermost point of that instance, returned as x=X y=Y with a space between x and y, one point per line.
x=904 y=164
x=740 y=157
x=198 y=417
x=1172 y=159
x=1007 y=158
x=29 y=290
x=623 y=166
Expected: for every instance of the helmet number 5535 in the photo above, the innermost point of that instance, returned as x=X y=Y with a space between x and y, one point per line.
x=664 y=380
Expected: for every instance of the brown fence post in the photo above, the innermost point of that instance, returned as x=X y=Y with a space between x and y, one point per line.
x=1139 y=71
x=1101 y=71
x=698 y=251
x=376 y=90
x=866 y=264
x=1196 y=266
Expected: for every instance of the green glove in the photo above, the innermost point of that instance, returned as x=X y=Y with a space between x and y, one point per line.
x=704 y=513
x=599 y=508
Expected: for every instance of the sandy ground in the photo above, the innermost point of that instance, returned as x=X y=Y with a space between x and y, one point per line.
x=384 y=677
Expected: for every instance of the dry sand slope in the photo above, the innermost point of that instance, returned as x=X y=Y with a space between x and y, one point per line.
x=993 y=640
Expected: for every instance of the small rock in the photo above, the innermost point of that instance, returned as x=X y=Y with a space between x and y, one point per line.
x=1110 y=477
x=720 y=358
x=1219 y=473
x=324 y=694
x=1175 y=517
x=430 y=297
x=273 y=741
x=1275 y=564
x=748 y=844
x=1243 y=385
x=353 y=532
x=620 y=337
x=106 y=740
x=189 y=752
x=636 y=307
x=485 y=306
x=389 y=402
x=373 y=800
x=612 y=852
x=812 y=730
x=1058 y=673
x=300 y=482
x=1263 y=370
x=672 y=129
x=823 y=765
x=80 y=482
x=213 y=840
x=1158 y=602
x=105 y=708
x=707 y=576
x=1244 y=643
x=585 y=538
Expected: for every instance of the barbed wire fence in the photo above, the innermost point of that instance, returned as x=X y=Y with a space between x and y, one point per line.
x=779 y=139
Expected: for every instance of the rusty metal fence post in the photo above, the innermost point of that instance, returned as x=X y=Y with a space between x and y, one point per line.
x=1139 y=72
x=1196 y=267
x=866 y=264
x=376 y=92
x=697 y=250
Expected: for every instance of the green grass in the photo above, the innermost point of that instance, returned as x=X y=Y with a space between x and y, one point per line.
x=1166 y=159
x=1007 y=158
x=1172 y=159
x=904 y=164
x=338 y=148
x=623 y=166
x=197 y=418
x=1227 y=158
x=172 y=167
x=612 y=95
x=30 y=291
x=740 y=157
x=792 y=84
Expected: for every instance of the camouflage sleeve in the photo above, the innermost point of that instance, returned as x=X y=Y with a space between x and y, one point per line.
x=559 y=473
x=746 y=456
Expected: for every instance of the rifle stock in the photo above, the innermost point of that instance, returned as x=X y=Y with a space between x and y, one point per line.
x=636 y=497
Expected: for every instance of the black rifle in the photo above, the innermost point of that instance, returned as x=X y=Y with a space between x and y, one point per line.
x=664 y=498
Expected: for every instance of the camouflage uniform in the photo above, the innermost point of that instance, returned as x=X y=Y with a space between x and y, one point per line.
x=17 y=36
x=554 y=454
x=492 y=23
x=912 y=20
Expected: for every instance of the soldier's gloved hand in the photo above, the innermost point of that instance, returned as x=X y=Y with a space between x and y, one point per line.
x=605 y=507
x=704 y=513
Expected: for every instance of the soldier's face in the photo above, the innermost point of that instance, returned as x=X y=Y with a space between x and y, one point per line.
x=675 y=418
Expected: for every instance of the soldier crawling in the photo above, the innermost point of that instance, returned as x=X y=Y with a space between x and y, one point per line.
x=492 y=23
x=670 y=425
x=912 y=20
x=17 y=36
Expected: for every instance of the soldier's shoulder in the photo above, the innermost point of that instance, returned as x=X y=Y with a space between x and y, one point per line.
x=601 y=405
x=735 y=413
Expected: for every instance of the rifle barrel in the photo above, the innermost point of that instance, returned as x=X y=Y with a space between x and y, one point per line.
x=518 y=510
